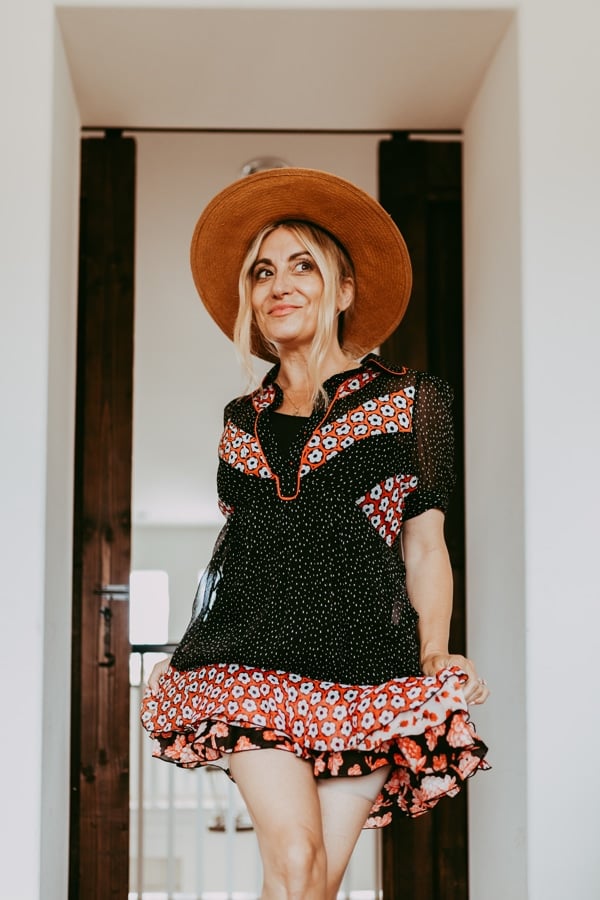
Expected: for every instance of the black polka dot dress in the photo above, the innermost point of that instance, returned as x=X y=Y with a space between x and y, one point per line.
x=302 y=635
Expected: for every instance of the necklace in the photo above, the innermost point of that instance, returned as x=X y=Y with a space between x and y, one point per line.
x=296 y=406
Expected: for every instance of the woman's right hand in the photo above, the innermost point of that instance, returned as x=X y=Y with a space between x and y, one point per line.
x=158 y=669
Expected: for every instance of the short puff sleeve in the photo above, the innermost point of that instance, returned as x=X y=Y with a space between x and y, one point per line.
x=433 y=448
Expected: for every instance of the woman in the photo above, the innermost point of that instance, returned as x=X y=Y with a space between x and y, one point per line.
x=333 y=696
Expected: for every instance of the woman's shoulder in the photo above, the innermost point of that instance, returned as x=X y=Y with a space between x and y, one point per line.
x=250 y=404
x=423 y=382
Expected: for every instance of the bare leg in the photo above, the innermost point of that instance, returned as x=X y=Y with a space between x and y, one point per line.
x=345 y=804
x=281 y=795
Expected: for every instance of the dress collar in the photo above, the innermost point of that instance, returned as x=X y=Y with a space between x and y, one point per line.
x=371 y=360
x=372 y=365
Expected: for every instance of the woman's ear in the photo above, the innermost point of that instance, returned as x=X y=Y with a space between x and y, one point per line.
x=346 y=294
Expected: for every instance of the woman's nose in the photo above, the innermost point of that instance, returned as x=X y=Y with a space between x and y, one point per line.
x=281 y=283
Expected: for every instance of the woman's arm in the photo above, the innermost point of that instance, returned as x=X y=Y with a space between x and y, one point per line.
x=429 y=584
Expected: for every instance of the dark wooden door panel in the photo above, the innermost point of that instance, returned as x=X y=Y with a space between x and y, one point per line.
x=99 y=857
x=420 y=186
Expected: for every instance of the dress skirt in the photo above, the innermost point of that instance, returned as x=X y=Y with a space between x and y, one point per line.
x=418 y=725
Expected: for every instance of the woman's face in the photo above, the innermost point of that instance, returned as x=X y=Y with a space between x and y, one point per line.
x=287 y=288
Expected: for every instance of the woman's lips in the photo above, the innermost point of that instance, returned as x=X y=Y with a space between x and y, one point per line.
x=282 y=309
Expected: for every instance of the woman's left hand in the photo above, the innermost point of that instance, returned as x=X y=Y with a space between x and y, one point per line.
x=475 y=689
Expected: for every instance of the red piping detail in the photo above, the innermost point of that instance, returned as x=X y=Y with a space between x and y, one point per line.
x=328 y=410
x=401 y=371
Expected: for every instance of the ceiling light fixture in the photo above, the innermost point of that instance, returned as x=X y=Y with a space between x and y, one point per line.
x=262 y=163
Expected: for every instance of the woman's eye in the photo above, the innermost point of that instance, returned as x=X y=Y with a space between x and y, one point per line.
x=261 y=273
x=304 y=265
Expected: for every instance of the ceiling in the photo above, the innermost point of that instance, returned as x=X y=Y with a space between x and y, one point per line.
x=278 y=68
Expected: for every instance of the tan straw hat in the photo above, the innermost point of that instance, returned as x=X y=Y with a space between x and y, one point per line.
x=232 y=219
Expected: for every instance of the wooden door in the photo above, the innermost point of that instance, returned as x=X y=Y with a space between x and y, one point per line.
x=99 y=840
x=420 y=186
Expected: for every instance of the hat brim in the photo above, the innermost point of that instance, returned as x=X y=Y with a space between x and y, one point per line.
x=234 y=217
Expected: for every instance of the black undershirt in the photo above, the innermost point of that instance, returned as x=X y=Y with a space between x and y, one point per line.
x=286 y=429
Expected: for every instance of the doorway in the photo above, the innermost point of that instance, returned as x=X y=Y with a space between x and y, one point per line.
x=177 y=348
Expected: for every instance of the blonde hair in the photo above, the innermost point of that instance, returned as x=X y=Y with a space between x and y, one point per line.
x=335 y=268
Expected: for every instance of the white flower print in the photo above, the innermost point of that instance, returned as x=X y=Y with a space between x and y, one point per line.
x=398 y=702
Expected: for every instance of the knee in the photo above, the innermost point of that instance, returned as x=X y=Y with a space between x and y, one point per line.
x=299 y=864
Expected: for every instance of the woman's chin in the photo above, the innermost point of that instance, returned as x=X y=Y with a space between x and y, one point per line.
x=286 y=341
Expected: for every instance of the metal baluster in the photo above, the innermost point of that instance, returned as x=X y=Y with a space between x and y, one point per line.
x=229 y=839
x=346 y=884
x=200 y=826
x=377 y=858
x=140 y=797
x=258 y=866
x=170 y=831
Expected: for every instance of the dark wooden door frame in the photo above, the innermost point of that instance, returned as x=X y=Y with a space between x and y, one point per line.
x=420 y=184
x=99 y=826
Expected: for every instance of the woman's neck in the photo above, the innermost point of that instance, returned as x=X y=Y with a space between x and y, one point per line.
x=293 y=379
x=293 y=368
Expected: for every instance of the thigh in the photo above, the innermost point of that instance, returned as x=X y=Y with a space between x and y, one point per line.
x=345 y=805
x=280 y=792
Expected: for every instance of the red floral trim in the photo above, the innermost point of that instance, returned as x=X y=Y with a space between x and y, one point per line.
x=242 y=451
x=389 y=414
x=418 y=725
x=384 y=504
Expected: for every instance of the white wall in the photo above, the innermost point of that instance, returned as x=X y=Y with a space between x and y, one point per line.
x=533 y=318
x=181 y=551
x=494 y=465
x=560 y=150
x=26 y=88
x=62 y=340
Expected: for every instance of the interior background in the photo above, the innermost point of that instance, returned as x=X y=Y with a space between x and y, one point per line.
x=532 y=194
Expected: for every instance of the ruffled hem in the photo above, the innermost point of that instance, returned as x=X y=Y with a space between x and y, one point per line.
x=419 y=725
